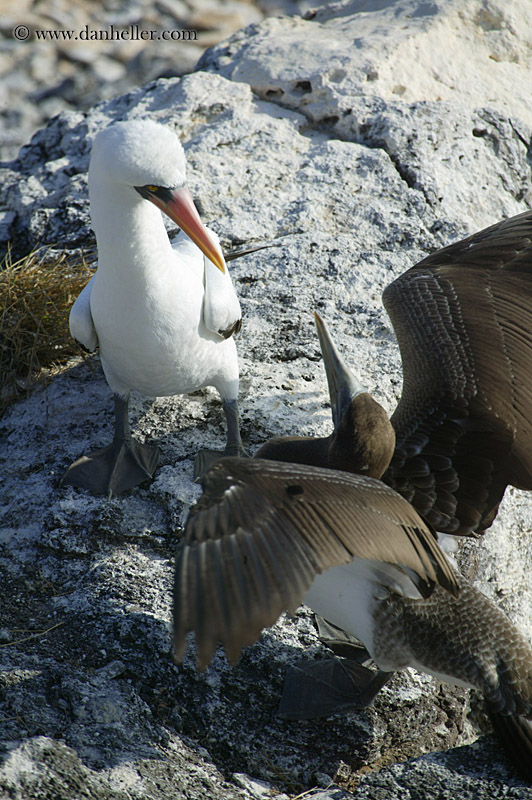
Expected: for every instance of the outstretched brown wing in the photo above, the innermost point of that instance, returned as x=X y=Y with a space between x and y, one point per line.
x=263 y=530
x=463 y=320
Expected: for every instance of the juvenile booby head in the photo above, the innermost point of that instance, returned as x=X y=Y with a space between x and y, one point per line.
x=162 y=314
x=363 y=439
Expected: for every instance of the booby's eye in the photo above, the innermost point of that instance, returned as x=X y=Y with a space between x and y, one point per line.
x=149 y=191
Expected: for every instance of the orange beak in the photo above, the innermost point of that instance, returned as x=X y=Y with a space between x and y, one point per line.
x=181 y=209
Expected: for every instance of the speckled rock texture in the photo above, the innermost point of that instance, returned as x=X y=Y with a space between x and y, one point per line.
x=91 y=704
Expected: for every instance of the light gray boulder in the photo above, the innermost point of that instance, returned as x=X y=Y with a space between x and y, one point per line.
x=470 y=53
x=436 y=85
x=56 y=56
x=90 y=701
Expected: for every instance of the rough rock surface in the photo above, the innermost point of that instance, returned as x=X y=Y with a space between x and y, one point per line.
x=56 y=55
x=474 y=54
x=450 y=78
x=91 y=704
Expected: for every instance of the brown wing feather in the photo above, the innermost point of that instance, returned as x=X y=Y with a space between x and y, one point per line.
x=463 y=319
x=263 y=530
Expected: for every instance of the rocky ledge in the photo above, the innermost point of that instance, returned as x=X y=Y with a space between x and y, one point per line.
x=295 y=134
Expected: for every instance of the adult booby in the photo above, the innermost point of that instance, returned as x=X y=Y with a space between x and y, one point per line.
x=163 y=314
x=266 y=536
x=463 y=424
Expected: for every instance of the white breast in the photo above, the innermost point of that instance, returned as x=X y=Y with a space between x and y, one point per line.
x=347 y=595
x=151 y=331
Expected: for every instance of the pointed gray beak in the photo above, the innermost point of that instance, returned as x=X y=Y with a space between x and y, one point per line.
x=343 y=386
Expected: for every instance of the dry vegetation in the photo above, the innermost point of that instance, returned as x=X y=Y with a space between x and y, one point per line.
x=36 y=294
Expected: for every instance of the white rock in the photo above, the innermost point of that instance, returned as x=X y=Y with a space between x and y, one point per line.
x=259 y=790
x=473 y=53
x=109 y=69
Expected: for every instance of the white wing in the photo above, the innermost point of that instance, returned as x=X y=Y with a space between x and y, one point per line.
x=81 y=324
x=221 y=309
x=190 y=256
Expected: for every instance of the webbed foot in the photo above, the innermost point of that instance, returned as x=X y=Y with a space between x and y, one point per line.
x=330 y=686
x=206 y=458
x=113 y=469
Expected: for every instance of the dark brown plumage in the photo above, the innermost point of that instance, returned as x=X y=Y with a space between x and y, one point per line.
x=266 y=536
x=463 y=424
x=263 y=530
x=463 y=319
x=362 y=443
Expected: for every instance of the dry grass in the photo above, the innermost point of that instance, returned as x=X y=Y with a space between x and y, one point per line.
x=36 y=294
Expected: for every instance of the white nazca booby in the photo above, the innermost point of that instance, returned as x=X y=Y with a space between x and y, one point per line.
x=162 y=314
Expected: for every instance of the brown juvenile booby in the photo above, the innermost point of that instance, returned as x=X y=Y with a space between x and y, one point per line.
x=163 y=314
x=268 y=535
x=463 y=424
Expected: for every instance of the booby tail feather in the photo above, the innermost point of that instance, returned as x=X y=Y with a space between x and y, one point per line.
x=515 y=735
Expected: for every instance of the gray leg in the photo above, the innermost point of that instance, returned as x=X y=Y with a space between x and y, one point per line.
x=234 y=447
x=339 y=641
x=119 y=466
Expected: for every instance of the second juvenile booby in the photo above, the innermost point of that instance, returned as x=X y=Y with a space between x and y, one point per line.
x=163 y=315
x=266 y=536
